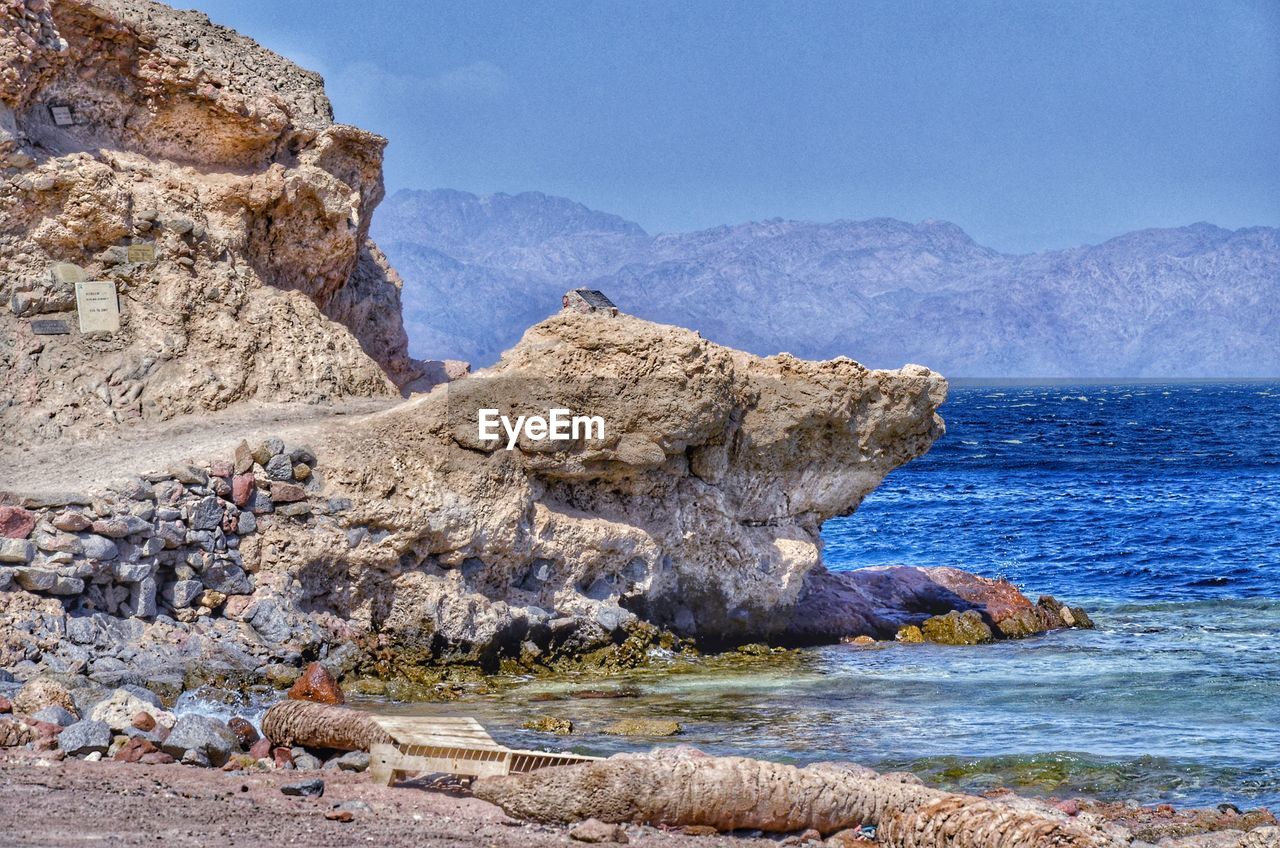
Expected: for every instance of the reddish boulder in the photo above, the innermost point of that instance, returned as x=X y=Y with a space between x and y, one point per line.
x=287 y=492
x=134 y=750
x=221 y=468
x=16 y=522
x=244 y=731
x=6 y=706
x=261 y=749
x=144 y=721
x=283 y=758
x=317 y=684
x=242 y=489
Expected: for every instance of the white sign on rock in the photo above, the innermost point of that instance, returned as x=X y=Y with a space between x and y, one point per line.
x=98 y=306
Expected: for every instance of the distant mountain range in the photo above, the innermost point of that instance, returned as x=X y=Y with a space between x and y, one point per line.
x=1195 y=301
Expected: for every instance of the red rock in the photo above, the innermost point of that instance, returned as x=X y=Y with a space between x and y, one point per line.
x=343 y=816
x=283 y=757
x=242 y=488
x=261 y=749
x=134 y=750
x=236 y=606
x=6 y=706
x=44 y=729
x=287 y=492
x=317 y=684
x=1070 y=806
x=244 y=731
x=144 y=721
x=156 y=758
x=16 y=522
x=221 y=468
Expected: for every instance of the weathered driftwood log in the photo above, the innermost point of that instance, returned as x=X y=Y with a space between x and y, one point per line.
x=730 y=793
x=321 y=726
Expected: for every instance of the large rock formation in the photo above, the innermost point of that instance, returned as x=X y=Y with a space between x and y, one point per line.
x=403 y=537
x=125 y=122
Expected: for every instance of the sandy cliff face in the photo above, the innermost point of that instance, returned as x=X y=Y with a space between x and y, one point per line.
x=224 y=158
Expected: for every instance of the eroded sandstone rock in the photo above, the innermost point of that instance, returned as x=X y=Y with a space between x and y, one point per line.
x=134 y=125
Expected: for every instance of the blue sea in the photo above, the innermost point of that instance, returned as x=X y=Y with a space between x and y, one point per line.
x=1156 y=507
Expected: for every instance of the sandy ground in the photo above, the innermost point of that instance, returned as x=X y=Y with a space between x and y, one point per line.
x=70 y=803
x=81 y=466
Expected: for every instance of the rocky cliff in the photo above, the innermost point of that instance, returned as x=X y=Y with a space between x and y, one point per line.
x=204 y=177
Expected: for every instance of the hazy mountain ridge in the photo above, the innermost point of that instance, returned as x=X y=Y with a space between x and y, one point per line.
x=1189 y=301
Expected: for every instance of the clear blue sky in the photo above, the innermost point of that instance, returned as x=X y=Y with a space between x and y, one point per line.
x=1031 y=124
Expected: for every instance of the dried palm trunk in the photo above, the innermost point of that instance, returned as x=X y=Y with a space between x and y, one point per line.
x=729 y=793
x=321 y=726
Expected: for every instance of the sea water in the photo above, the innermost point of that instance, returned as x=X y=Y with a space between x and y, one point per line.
x=1156 y=507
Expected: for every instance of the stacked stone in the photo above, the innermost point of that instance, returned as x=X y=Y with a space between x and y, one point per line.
x=167 y=542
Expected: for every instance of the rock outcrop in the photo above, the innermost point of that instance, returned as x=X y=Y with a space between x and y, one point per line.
x=204 y=177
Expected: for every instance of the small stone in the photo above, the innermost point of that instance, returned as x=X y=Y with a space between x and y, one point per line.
x=699 y=830
x=211 y=599
x=243 y=463
x=188 y=475
x=301 y=472
x=353 y=761
x=6 y=706
x=202 y=734
x=221 y=468
x=72 y=522
x=244 y=731
x=910 y=634
x=16 y=522
x=343 y=816
x=41 y=692
x=287 y=492
x=85 y=737
x=306 y=762
x=35 y=579
x=156 y=758
x=283 y=758
x=181 y=593
x=594 y=830
x=98 y=547
x=547 y=724
x=143 y=721
x=242 y=489
x=55 y=715
x=318 y=685
x=261 y=749
x=313 y=788
x=246 y=523
x=280 y=468
x=16 y=550
x=206 y=514
x=861 y=641
x=14 y=733
x=199 y=759
x=134 y=750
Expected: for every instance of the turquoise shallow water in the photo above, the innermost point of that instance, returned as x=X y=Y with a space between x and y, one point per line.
x=1157 y=507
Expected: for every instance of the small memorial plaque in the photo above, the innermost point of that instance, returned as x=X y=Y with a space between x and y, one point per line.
x=142 y=252
x=50 y=327
x=62 y=114
x=98 y=306
x=67 y=272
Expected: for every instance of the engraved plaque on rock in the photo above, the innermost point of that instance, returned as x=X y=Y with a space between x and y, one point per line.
x=50 y=327
x=98 y=306
x=62 y=114
x=66 y=272
x=142 y=252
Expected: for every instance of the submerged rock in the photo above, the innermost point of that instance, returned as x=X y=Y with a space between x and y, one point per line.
x=644 y=727
x=548 y=724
